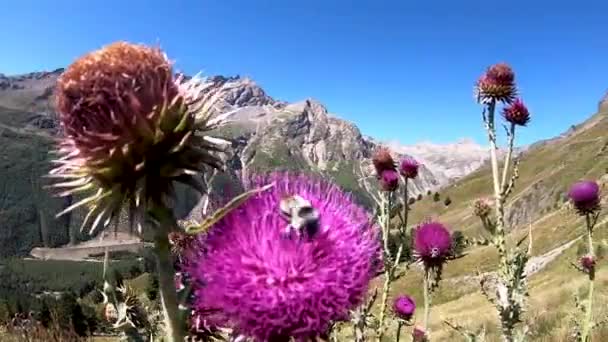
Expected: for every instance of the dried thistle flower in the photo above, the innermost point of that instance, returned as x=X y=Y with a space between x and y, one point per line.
x=585 y=195
x=408 y=167
x=383 y=161
x=404 y=307
x=497 y=84
x=129 y=132
x=482 y=208
x=517 y=113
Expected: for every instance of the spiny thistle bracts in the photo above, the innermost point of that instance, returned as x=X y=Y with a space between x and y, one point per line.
x=585 y=196
x=268 y=286
x=129 y=131
x=404 y=307
x=497 y=84
x=516 y=113
x=408 y=167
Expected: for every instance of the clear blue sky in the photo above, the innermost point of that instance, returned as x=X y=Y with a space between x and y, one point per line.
x=400 y=69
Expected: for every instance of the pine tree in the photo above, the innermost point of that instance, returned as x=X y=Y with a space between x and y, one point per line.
x=447 y=201
x=436 y=197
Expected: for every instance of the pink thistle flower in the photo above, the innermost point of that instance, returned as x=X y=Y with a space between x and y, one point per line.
x=517 y=113
x=432 y=244
x=404 y=307
x=271 y=287
x=585 y=195
x=389 y=180
x=497 y=84
x=409 y=168
x=588 y=263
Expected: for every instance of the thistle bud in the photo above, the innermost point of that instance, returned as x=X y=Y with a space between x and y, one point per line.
x=588 y=263
x=419 y=335
x=517 y=113
x=409 y=168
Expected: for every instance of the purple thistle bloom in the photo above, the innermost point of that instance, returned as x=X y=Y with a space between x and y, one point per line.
x=404 y=307
x=588 y=263
x=432 y=243
x=517 y=113
x=409 y=168
x=269 y=286
x=418 y=335
x=585 y=196
x=389 y=180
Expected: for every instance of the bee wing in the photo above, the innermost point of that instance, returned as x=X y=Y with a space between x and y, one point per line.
x=221 y=212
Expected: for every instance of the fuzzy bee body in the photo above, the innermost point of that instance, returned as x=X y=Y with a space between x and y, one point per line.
x=302 y=216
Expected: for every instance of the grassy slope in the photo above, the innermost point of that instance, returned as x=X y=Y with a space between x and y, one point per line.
x=555 y=166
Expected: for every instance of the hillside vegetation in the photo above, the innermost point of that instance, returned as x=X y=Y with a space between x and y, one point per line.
x=539 y=201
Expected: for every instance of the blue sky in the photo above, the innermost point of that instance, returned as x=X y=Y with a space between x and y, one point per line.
x=401 y=70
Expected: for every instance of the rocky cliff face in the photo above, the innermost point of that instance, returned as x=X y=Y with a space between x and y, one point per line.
x=304 y=136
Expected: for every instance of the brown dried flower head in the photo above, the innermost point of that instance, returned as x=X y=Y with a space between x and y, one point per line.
x=383 y=161
x=129 y=131
x=482 y=207
x=497 y=84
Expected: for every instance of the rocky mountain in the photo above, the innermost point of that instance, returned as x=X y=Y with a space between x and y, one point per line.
x=448 y=162
x=266 y=135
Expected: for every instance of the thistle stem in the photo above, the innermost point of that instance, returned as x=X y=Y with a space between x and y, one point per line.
x=427 y=300
x=586 y=335
x=166 y=273
x=405 y=207
x=505 y=171
x=387 y=266
x=499 y=232
x=399 y=326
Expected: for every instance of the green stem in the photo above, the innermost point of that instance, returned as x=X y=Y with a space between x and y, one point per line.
x=499 y=232
x=427 y=300
x=505 y=171
x=588 y=325
x=387 y=266
x=166 y=273
x=405 y=207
